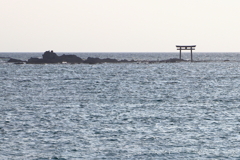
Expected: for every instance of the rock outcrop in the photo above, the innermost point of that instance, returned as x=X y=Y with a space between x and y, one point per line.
x=16 y=61
x=51 y=57
x=173 y=60
x=91 y=60
x=70 y=59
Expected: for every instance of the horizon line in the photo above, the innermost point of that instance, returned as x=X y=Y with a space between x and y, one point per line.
x=119 y=52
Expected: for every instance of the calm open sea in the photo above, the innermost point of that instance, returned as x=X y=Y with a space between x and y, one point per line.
x=121 y=111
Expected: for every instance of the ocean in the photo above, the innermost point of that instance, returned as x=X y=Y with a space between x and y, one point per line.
x=121 y=111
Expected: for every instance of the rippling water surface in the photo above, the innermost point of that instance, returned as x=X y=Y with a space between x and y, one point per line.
x=120 y=111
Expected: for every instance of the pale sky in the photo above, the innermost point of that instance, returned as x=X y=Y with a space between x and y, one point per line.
x=119 y=25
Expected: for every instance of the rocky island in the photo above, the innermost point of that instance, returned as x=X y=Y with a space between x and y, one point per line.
x=50 y=57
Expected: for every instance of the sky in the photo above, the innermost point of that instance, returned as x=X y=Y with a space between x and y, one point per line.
x=119 y=25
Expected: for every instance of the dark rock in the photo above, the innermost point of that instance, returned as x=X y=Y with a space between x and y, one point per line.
x=91 y=60
x=108 y=60
x=173 y=60
x=49 y=55
x=70 y=59
x=19 y=62
x=15 y=60
x=124 y=61
x=35 y=61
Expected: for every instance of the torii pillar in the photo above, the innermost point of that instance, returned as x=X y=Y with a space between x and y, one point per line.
x=185 y=47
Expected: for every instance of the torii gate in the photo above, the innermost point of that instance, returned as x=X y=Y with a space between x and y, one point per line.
x=188 y=47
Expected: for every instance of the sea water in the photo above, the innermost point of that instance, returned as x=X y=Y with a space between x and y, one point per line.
x=121 y=111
